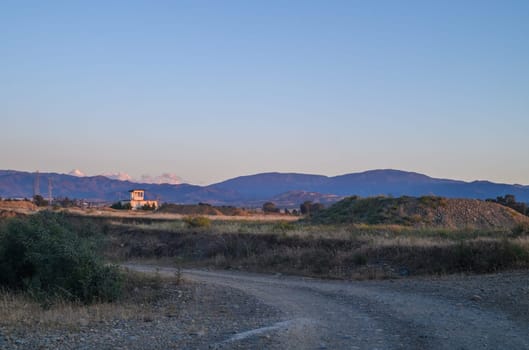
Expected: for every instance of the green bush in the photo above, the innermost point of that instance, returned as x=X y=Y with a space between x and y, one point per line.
x=520 y=229
x=197 y=221
x=40 y=201
x=148 y=207
x=42 y=255
x=489 y=256
x=120 y=206
x=359 y=259
x=270 y=207
x=283 y=226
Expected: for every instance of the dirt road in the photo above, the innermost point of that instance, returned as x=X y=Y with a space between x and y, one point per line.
x=455 y=312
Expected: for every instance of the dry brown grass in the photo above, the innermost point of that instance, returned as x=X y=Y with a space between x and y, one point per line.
x=25 y=206
x=374 y=242
x=28 y=208
x=334 y=251
x=363 y=232
x=21 y=310
x=140 y=214
x=142 y=290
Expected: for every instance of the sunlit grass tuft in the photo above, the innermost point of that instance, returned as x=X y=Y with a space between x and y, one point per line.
x=142 y=290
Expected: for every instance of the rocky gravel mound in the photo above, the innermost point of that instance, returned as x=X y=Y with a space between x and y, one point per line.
x=427 y=211
x=472 y=213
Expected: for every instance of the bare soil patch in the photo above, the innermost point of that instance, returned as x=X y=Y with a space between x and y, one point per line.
x=157 y=314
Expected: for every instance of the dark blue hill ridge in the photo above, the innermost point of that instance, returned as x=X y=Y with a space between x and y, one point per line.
x=254 y=189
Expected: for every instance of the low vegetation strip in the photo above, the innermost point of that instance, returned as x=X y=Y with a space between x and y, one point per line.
x=356 y=238
x=349 y=252
x=202 y=209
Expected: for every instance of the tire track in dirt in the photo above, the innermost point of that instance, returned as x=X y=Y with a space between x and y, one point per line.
x=319 y=314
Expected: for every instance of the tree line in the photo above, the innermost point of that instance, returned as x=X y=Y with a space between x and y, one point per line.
x=509 y=200
x=306 y=208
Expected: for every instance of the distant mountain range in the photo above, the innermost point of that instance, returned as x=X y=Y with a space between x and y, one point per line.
x=165 y=178
x=285 y=189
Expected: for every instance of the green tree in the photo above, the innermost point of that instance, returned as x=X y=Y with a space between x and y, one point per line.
x=270 y=207
x=117 y=205
x=39 y=201
x=148 y=206
x=316 y=207
x=65 y=202
x=121 y=206
x=509 y=200
x=308 y=208
x=305 y=207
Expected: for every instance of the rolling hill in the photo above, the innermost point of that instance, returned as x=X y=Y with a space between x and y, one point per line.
x=285 y=188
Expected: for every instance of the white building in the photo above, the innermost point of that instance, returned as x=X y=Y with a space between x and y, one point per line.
x=137 y=200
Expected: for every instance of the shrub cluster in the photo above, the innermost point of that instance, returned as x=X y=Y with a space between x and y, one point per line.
x=371 y=210
x=197 y=221
x=309 y=208
x=43 y=255
x=121 y=206
x=520 y=230
x=270 y=207
x=509 y=200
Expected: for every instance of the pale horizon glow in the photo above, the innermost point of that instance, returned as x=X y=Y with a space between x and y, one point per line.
x=204 y=91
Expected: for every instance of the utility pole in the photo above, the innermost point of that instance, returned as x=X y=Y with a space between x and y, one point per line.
x=49 y=191
x=36 y=184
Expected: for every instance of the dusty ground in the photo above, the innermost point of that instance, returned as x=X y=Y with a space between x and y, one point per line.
x=189 y=316
x=15 y=208
x=12 y=208
x=455 y=312
x=140 y=214
x=240 y=310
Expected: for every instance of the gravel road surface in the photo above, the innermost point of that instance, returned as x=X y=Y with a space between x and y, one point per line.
x=453 y=312
x=237 y=310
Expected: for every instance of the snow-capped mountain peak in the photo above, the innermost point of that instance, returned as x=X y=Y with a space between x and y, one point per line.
x=76 y=172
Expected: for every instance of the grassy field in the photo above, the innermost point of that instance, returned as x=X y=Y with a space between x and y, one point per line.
x=271 y=244
x=286 y=244
x=339 y=251
x=350 y=251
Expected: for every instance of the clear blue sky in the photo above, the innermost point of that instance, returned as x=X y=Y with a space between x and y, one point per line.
x=215 y=89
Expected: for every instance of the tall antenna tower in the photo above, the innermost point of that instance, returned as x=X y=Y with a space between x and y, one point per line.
x=49 y=191
x=36 y=184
